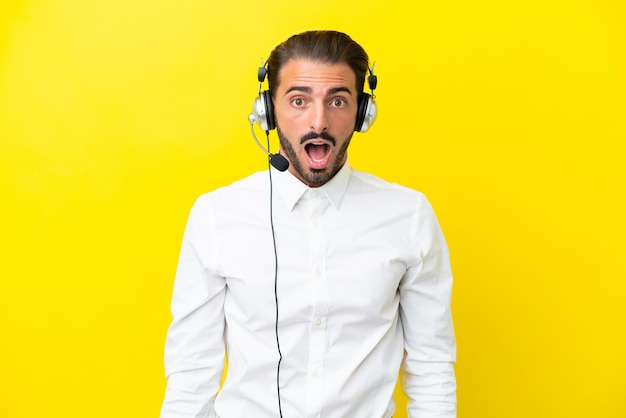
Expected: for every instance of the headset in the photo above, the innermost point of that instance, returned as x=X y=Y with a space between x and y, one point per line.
x=263 y=107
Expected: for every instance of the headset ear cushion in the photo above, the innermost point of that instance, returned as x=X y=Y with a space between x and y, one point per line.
x=364 y=101
x=266 y=97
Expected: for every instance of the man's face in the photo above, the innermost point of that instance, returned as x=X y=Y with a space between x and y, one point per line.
x=315 y=105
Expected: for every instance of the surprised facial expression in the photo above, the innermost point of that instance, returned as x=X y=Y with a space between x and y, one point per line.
x=315 y=105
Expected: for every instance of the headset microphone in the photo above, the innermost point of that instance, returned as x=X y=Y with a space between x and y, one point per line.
x=277 y=161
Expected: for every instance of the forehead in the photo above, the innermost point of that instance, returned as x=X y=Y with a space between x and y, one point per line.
x=304 y=72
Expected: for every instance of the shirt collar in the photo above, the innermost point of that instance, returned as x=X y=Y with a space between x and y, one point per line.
x=290 y=189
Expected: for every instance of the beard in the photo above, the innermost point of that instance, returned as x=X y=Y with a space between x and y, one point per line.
x=314 y=177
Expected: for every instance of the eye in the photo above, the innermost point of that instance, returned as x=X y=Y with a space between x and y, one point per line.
x=339 y=102
x=297 y=102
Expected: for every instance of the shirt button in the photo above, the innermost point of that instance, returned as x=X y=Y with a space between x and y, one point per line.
x=318 y=322
x=318 y=272
x=315 y=373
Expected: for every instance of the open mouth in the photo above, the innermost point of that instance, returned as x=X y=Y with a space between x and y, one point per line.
x=318 y=153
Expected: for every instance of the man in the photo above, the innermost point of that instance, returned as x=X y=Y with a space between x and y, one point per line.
x=317 y=283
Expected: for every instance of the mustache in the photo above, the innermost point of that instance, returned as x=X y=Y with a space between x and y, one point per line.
x=314 y=135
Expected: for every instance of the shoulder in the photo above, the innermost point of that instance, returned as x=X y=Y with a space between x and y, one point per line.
x=253 y=183
x=241 y=195
x=392 y=197
x=360 y=180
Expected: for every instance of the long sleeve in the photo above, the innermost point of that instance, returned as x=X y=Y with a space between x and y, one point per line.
x=425 y=293
x=194 y=349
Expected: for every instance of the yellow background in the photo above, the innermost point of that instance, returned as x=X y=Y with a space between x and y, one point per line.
x=115 y=115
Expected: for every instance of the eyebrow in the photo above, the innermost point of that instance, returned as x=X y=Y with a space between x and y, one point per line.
x=306 y=89
x=339 y=89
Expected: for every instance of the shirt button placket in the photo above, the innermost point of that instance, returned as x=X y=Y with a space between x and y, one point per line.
x=320 y=309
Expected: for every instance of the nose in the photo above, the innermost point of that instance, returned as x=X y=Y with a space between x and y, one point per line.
x=318 y=117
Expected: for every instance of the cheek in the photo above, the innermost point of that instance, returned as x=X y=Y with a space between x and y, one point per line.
x=290 y=133
x=346 y=125
x=289 y=123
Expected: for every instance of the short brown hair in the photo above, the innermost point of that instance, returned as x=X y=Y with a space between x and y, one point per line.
x=322 y=45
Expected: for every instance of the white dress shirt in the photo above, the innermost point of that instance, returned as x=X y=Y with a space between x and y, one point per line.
x=363 y=288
